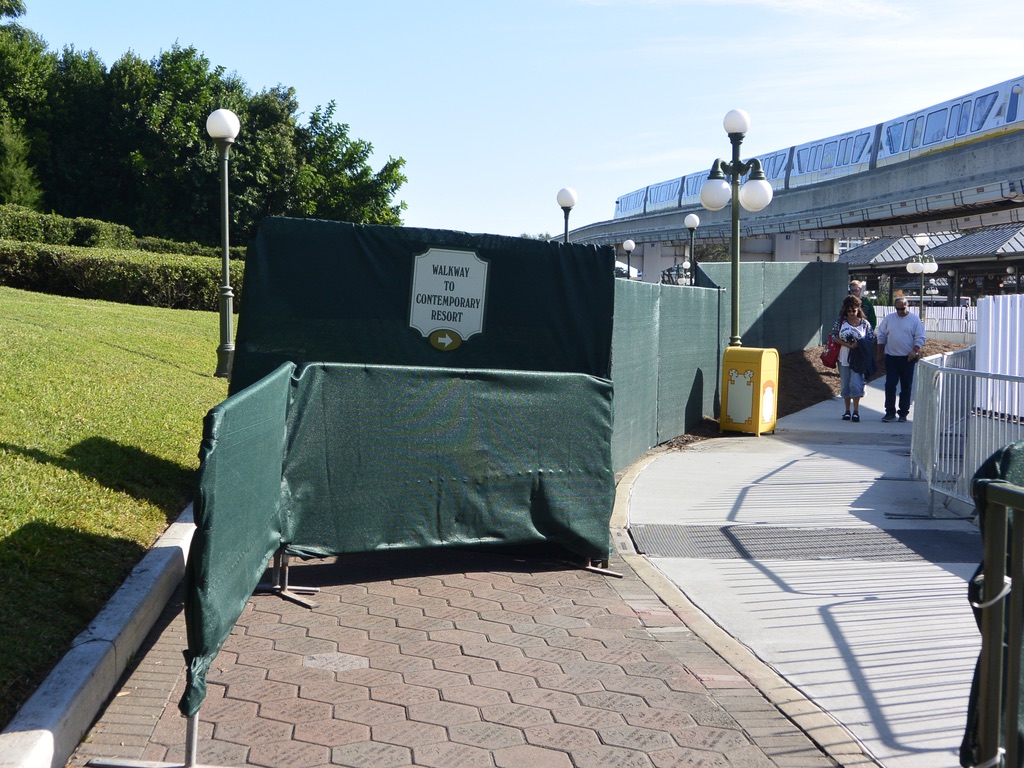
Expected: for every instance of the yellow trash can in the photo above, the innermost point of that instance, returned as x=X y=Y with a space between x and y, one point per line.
x=750 y=390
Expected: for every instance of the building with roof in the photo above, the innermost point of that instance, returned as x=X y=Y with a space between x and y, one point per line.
x=971 y=264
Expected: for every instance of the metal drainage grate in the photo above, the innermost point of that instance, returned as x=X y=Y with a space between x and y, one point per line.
x=770 y=542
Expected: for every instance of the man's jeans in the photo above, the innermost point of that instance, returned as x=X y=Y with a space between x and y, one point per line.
x=898 y=371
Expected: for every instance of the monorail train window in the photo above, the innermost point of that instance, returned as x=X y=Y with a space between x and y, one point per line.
x=965 y=118
x=954 y=118
x=860 y=144
x=848 y=153
x=1011 y=108
x=935 y=126
x=893 y=137
x=982 y=107
x=828 y=154
x=918 y=131
x=816 y=157
x=908 y=135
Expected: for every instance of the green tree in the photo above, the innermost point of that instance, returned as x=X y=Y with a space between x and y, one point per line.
x=12 y=8
x=73 y=133
x=18 y=183
x=335 y=180
x=24 y=70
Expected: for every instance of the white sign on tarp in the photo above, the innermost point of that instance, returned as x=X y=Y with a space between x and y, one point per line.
x=448 y=292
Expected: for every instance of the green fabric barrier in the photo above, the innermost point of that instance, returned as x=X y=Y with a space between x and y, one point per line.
x=333 y=458
x=237 y=517
x=320 y=291
x=386 y=457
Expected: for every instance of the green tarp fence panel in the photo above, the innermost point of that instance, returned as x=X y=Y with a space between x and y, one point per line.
x=237 y=516
x=389 y=457
x=331 y=458
x=1005 y=464
x=635 y=369
x=783 y=305
x=331 y=292
x=691 y=338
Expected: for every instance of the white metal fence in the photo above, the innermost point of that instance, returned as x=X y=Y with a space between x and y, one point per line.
x=961 y=417
x=957 y=325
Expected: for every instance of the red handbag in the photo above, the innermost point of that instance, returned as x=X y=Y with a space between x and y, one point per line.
x=830 y=353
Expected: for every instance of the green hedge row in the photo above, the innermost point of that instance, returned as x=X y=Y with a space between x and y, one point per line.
x=124 y=276
x=18 y=223
x=159 y=245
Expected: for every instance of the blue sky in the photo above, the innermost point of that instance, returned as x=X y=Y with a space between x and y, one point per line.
x=497 y=104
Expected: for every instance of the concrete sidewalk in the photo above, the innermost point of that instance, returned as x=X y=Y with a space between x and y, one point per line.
x=815 y=549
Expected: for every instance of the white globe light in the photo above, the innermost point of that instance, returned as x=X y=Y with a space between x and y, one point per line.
x=737 y=121
x=914 y=267
x=923 y=241
x=755 y=195
x=715 y=194
x=692 y=221
x=930 y=267
x=628 y=246
x=567 y=197
x=686 y=264
x=223 y=124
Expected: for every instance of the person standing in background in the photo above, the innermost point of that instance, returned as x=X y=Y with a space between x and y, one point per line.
x=857 y=289
x=900 y=339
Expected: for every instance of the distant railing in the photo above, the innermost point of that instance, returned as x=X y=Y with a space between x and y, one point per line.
x=957 y=325
x=1002 y=620
x=961 y=417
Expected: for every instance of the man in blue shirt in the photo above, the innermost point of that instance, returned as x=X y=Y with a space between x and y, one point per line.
x=900 y=339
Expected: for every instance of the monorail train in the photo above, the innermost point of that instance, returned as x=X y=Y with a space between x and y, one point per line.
x=982 y=114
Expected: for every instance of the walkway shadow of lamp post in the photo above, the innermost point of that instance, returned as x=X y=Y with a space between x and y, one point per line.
x=223 y=127
x=628 y=246
x=566 y=200
x=691 y=222
x=754 y=195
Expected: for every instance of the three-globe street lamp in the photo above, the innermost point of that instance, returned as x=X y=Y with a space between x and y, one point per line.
x=919 y=265
x=566 y=200
x=691 y=222
x=628 y=246
x=755 y=194
x=223 y=127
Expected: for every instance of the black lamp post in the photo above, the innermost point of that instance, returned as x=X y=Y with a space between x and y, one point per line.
x=566 y=200
x=691 y=222
x=223 y=127
x=755 y=194
x=628 y=246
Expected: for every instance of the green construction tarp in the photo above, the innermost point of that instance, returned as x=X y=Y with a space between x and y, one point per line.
x=331 y=292
x=333 y=458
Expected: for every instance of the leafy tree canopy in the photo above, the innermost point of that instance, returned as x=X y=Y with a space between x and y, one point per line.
x=128 y=144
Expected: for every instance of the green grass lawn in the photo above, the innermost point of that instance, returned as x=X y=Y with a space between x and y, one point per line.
x=101 y=410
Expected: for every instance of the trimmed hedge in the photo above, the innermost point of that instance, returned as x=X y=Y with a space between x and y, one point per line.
x=159 y=245
x=19 y=223
x=124 y=276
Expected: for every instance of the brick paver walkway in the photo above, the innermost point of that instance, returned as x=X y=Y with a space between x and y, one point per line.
x=454 y=659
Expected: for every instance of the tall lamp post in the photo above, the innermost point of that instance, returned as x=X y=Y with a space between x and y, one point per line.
x=691 y=222
x=755 y=194
x=566 y=200
x=922 y=266
x=223 y=127
x=628 y=246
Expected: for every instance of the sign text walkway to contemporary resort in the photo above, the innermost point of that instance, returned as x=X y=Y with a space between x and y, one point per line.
x=448 y=292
